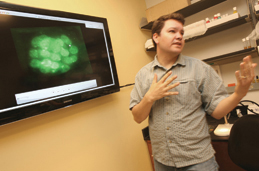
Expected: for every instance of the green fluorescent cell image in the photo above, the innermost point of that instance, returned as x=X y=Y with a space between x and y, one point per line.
x=51 y=50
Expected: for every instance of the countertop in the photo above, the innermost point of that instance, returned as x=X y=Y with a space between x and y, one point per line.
x=213 y=123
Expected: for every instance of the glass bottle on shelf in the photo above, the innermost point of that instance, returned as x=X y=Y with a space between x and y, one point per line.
x=244 y=43
x=219 y=16
x=234 y=10
x=248 y=43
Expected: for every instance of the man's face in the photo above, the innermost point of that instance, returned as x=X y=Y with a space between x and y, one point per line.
x=171 y=37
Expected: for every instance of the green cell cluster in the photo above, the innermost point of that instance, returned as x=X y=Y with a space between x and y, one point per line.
x=52 y=55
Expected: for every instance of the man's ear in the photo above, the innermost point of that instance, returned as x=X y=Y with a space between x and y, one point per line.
x=155 y=38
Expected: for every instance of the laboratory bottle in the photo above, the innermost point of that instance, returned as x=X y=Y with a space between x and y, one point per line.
x=234 y=10
x=219 y=16
x=248 y=43
x=244 y=43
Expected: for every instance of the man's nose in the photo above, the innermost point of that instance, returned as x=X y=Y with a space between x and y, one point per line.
x=179 y=36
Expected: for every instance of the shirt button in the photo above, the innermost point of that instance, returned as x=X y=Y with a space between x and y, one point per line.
x=170 y=141
x=167 y=113
x=167 y=98
x=168 y=128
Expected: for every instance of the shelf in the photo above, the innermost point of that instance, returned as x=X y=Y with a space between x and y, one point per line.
x=144 y=25
x=232 y=57
x=222 y=27
x=257 y=14
x=218 y=28
x=228 y=58
x=151 y=49
x=188 y=11
x=198 y=6
x=222 y=59
x=253 y=87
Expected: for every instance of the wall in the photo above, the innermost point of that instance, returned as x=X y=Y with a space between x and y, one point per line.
x=95 y=135
x=151 y=3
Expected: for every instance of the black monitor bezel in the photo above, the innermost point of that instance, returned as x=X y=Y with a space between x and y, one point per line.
x=37 y=109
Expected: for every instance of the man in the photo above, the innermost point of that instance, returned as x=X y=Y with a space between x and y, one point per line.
x=175 y=92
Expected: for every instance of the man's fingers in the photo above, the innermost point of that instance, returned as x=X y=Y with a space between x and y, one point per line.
x=155 y=79
x=247 y=67
x=166 y=76
x=237 y=76
x=172 y=86
x=170 y=80
x=172 y=93
x=248 y=60
x=242 y=69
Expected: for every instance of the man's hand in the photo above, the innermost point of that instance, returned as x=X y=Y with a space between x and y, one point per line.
x=157 y=90
x=160 y=89
x=245 y=76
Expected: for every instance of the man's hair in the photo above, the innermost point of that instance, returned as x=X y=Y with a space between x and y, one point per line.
x=160 y=22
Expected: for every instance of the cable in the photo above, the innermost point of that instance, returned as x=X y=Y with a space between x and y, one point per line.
x=241 y=102
x=127 y=85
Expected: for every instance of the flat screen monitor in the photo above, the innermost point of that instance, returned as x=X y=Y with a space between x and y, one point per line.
x=51 y=59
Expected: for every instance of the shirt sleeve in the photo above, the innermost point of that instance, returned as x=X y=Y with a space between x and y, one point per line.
x=140 y=88
x=212 y=89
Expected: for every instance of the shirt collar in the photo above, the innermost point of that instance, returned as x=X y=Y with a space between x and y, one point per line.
x=180 y=61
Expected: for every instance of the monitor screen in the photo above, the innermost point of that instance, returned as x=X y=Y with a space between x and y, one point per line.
x=51 y=59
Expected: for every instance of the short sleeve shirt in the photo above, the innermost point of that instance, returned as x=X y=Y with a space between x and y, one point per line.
x=178 y=128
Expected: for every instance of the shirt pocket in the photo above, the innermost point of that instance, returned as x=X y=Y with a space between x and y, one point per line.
x=188 y=93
